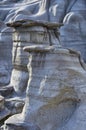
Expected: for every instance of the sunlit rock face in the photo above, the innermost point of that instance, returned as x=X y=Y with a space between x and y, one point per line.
x=69 y=66
x=26 y=36
x=55 y=93
x=71 y=13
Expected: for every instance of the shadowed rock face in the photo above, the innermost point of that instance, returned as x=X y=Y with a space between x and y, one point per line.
x=5 y=55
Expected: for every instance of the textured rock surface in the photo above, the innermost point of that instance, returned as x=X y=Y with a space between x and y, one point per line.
x=4 y=112
x=71 y=12
x=26 y=36
x=73 y=34
x=1 y=102
x=5 y=51
x=5 y=55
x=55 y=91
x=60 y=107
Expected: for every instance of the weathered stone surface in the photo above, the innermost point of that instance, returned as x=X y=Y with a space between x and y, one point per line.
x=5 y=52
x=73 y=35
x=1 y=102
x=4 y=112
x=55 y=91
x=5 y=55
x=5 y=42
x=72 y=13
x=25 y=34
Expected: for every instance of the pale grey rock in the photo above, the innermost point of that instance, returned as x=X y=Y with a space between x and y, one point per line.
x=5 y=55
x=55 y=91
x=72 y=13
x=73 y=34
x=5 y=49
x=56 y=78
x=78 y=120
x=19 y=81
x=5 y=43
x=28 y=33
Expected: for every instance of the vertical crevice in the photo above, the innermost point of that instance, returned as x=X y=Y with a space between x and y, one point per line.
x=71 y=5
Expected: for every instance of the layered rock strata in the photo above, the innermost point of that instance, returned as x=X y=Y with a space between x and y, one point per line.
x=5 y=55
x=72 y=13
x=27 y=33
x=55 y=91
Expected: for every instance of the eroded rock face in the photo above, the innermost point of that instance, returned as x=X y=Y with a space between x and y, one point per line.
x=55 y=91
x=5 y=55
x=72 y=13
x=57 y=98
x=73 y=34
x=26 y=36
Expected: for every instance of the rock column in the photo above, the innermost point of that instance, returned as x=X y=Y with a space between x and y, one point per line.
x=26 y=33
